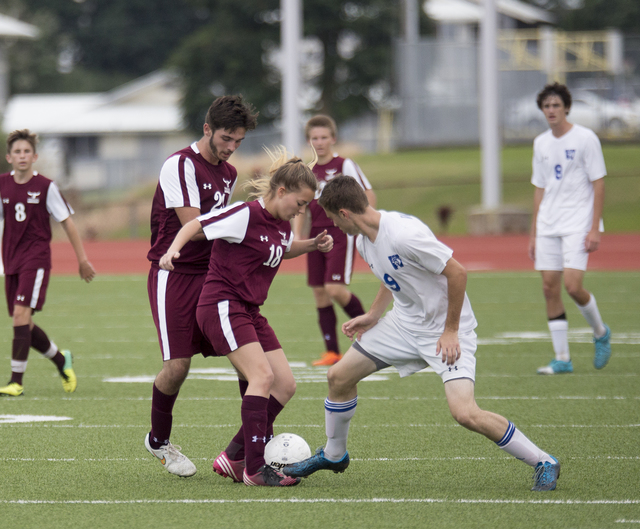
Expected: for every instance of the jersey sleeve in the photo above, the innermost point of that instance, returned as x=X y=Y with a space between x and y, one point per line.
x=288 y=248
x=537 y=175
x=178 y=183
x=593 y=158
x=351 y=168
x=56 y=205
x=417 y=242
x=228 y=223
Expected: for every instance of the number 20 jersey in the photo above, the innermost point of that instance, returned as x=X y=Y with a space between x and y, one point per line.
x=248 y=249
x=27 y=229
x=409 y=260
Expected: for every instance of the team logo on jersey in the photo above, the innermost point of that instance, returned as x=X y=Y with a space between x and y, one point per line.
x=284 y=240
x=33 y=197
x=396 y=262
x=227 y=186
x=330 y=173
x=570 y=153
x=206 y=186
x=264 y=238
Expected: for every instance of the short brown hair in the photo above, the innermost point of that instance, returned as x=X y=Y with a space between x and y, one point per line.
x=24 y=134
x=321 y=121
x=555 y=89
x=231 y=113
x=343 y=192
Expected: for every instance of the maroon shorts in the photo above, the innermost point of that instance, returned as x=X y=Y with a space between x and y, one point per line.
x=174 y=298
x=229 y=325
x=335 y=266
x=27 y=289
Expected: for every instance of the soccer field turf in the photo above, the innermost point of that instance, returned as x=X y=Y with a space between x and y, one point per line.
x=79 y=460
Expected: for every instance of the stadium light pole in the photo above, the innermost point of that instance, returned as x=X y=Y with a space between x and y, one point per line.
x=489 y=111
x=290 y=37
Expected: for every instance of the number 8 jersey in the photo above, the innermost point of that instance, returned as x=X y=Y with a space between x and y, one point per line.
x=27 y=229
x=248 y=249
x=409 y=260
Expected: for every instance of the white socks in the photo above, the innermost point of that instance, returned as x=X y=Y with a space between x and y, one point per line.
x=592 y=315
x=519 y=446
x=559 y=330
x=337 y=416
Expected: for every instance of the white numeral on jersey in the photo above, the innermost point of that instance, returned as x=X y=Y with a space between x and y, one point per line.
x=275 y=257
x=21 y=214
x=219 y=197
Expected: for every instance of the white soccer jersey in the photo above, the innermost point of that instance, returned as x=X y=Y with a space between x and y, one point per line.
x=565 y=168
x=409 y=260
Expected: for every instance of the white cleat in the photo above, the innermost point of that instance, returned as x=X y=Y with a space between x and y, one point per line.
x=172 y=459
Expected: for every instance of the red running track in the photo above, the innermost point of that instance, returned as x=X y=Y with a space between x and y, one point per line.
x=494 y=253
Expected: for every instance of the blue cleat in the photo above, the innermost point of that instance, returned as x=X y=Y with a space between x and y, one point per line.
x=546 y=475
x=556 y=367
x=316 y=462
x=603 y=349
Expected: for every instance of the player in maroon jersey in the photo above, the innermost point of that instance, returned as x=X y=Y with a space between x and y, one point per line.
x=28 y=200
x=251 y=239
x=329 y=273
x=195 y=180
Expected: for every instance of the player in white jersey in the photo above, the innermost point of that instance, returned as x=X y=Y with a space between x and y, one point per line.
x=568 y=173
x=431 y=324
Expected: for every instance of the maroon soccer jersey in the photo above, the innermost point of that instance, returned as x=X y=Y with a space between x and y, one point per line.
x=187 y=180
x=27 y=230
x=324 y=173
x=249 y=247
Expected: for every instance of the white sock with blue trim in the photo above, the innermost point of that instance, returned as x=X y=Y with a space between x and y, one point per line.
x=337 y=417
x=517 y=444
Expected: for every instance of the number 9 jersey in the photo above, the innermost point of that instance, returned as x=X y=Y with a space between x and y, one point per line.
x=248 y=249
x=27 y=229
x=409 y=260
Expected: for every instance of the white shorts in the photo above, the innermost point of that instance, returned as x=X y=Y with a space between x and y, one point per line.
x=410 y=352
x=558 y=253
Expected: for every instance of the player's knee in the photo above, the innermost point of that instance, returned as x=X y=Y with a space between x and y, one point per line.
x=337 y=379
x=466 y=416
x=574 y=288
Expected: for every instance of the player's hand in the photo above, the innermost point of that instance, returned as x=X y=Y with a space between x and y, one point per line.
x=449 y=346
x=532 y=248
x=592 y=241
x=166 y=260
x=324 y=242
x=87 y=272
x=358 y=326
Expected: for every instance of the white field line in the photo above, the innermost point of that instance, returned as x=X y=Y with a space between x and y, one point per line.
x=436 y=425
x=324 y=500
x=368 y=459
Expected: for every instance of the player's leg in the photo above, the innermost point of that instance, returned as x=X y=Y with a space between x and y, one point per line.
x=576 y=259
x=340 y=407
x=328 y=322
x=463 y=407
x=251 y=361
x=19 y=350
x=173 y=299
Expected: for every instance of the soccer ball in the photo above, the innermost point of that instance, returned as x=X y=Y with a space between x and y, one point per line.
x=286 y=448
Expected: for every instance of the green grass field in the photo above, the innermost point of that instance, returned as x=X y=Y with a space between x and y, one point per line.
x=412 y=466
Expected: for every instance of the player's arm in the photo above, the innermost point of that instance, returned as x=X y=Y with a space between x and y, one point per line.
x=592 y=241
x=537 y=199
x=86 y=270
x=322 y=242
x=448 y=343
x=301 y=225
x=360 y=324
x=187 y=214
x=186 y=233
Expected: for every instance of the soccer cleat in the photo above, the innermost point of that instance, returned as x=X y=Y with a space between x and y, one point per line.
x=316 y=462
x=603 y=349
x=556 y=367
x=546 y=475
x=13 y=389
x=328 y=359
x=69 y=380
x=171 y=458
x=268 y=477
x=228 y=468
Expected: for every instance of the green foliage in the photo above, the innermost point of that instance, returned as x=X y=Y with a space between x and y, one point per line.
x=413 y=467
